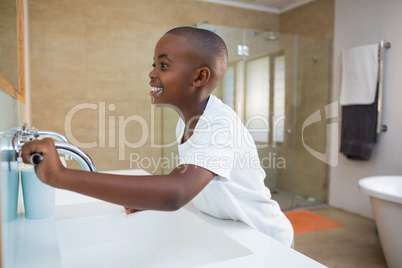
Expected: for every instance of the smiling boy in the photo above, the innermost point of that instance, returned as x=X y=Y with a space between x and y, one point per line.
x=219 y=168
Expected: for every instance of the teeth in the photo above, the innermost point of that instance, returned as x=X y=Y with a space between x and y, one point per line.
x=155 y=88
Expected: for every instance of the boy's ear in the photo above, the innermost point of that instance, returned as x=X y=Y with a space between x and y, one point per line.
x=203 y=76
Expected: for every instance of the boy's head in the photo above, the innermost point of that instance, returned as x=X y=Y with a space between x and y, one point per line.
x=187 y=62
x=210 y=47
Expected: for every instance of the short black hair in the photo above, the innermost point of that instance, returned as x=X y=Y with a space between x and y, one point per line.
x=210 y=45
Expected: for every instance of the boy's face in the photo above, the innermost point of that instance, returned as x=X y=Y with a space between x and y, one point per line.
x=174 y=71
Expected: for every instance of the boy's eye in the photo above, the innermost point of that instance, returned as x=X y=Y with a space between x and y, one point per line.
x=163 y=65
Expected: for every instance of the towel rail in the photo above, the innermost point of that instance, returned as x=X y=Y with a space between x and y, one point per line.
x=382 y=46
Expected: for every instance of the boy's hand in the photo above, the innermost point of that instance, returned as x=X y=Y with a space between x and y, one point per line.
x=50 y=167
x=131 y=210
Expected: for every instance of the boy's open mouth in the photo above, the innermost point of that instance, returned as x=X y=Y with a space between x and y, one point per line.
x=155 y=91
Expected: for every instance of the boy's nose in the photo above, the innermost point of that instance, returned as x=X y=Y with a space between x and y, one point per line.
x=152 y=74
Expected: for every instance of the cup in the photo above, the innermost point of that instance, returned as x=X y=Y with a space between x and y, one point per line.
x=38 y=197
x=9 y=195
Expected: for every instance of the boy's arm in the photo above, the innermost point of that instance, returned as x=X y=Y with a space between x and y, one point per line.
x=155 y=192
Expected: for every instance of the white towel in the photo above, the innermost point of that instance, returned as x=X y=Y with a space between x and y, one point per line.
x=359 y=75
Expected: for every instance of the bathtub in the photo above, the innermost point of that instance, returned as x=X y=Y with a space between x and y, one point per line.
x=386 y=200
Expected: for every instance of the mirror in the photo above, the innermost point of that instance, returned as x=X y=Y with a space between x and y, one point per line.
x=12 y=99
x=9 y=42
x=12 y=48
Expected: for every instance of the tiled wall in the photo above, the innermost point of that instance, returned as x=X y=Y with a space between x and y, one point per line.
x=89 y=64
x=314 y=19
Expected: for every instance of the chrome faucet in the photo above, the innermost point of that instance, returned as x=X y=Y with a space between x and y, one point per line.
x=77 y=153
x=53 y=135
x=23 y=134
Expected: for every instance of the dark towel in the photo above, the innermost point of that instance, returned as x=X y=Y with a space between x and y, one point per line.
x=359 y=130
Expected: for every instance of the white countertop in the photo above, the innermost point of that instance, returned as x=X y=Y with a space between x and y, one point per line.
x=37 y=243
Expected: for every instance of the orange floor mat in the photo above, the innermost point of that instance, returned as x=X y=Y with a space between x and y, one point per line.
x=305 y=221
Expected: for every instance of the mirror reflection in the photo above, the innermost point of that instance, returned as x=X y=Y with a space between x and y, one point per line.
x=8 y=42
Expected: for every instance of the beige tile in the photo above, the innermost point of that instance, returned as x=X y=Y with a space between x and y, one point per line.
x=315 y=18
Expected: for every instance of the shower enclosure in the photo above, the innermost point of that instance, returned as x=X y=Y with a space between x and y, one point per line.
x=275 y=82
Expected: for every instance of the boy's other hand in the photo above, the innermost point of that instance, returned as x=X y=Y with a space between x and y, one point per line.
x=131 y=210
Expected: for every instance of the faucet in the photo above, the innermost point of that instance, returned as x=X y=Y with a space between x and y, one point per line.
x=53 y=135
x=23 y=134
x=77 y=153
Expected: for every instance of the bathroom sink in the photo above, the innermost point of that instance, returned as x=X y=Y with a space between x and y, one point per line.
x=93 y=233
x=88 y=232
x=144 y=239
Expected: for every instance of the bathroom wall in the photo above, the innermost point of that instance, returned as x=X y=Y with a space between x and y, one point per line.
x=314 y=19
x=89 y=65
x=361 y=22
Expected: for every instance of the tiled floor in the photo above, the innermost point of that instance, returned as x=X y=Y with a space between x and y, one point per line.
x=354 y=245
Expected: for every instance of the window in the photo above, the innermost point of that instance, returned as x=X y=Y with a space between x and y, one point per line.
x=229 y=87
x=257 y=98
x=278 y=128
x=265 y=99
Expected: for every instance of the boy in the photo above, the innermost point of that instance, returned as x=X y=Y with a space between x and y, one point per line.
x=219 y=168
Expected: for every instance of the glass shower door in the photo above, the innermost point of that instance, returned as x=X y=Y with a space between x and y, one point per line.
x=270 y=96
x=274 y=82
x=259 y=86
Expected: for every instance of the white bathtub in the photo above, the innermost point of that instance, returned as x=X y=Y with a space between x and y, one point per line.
x=386 y=200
